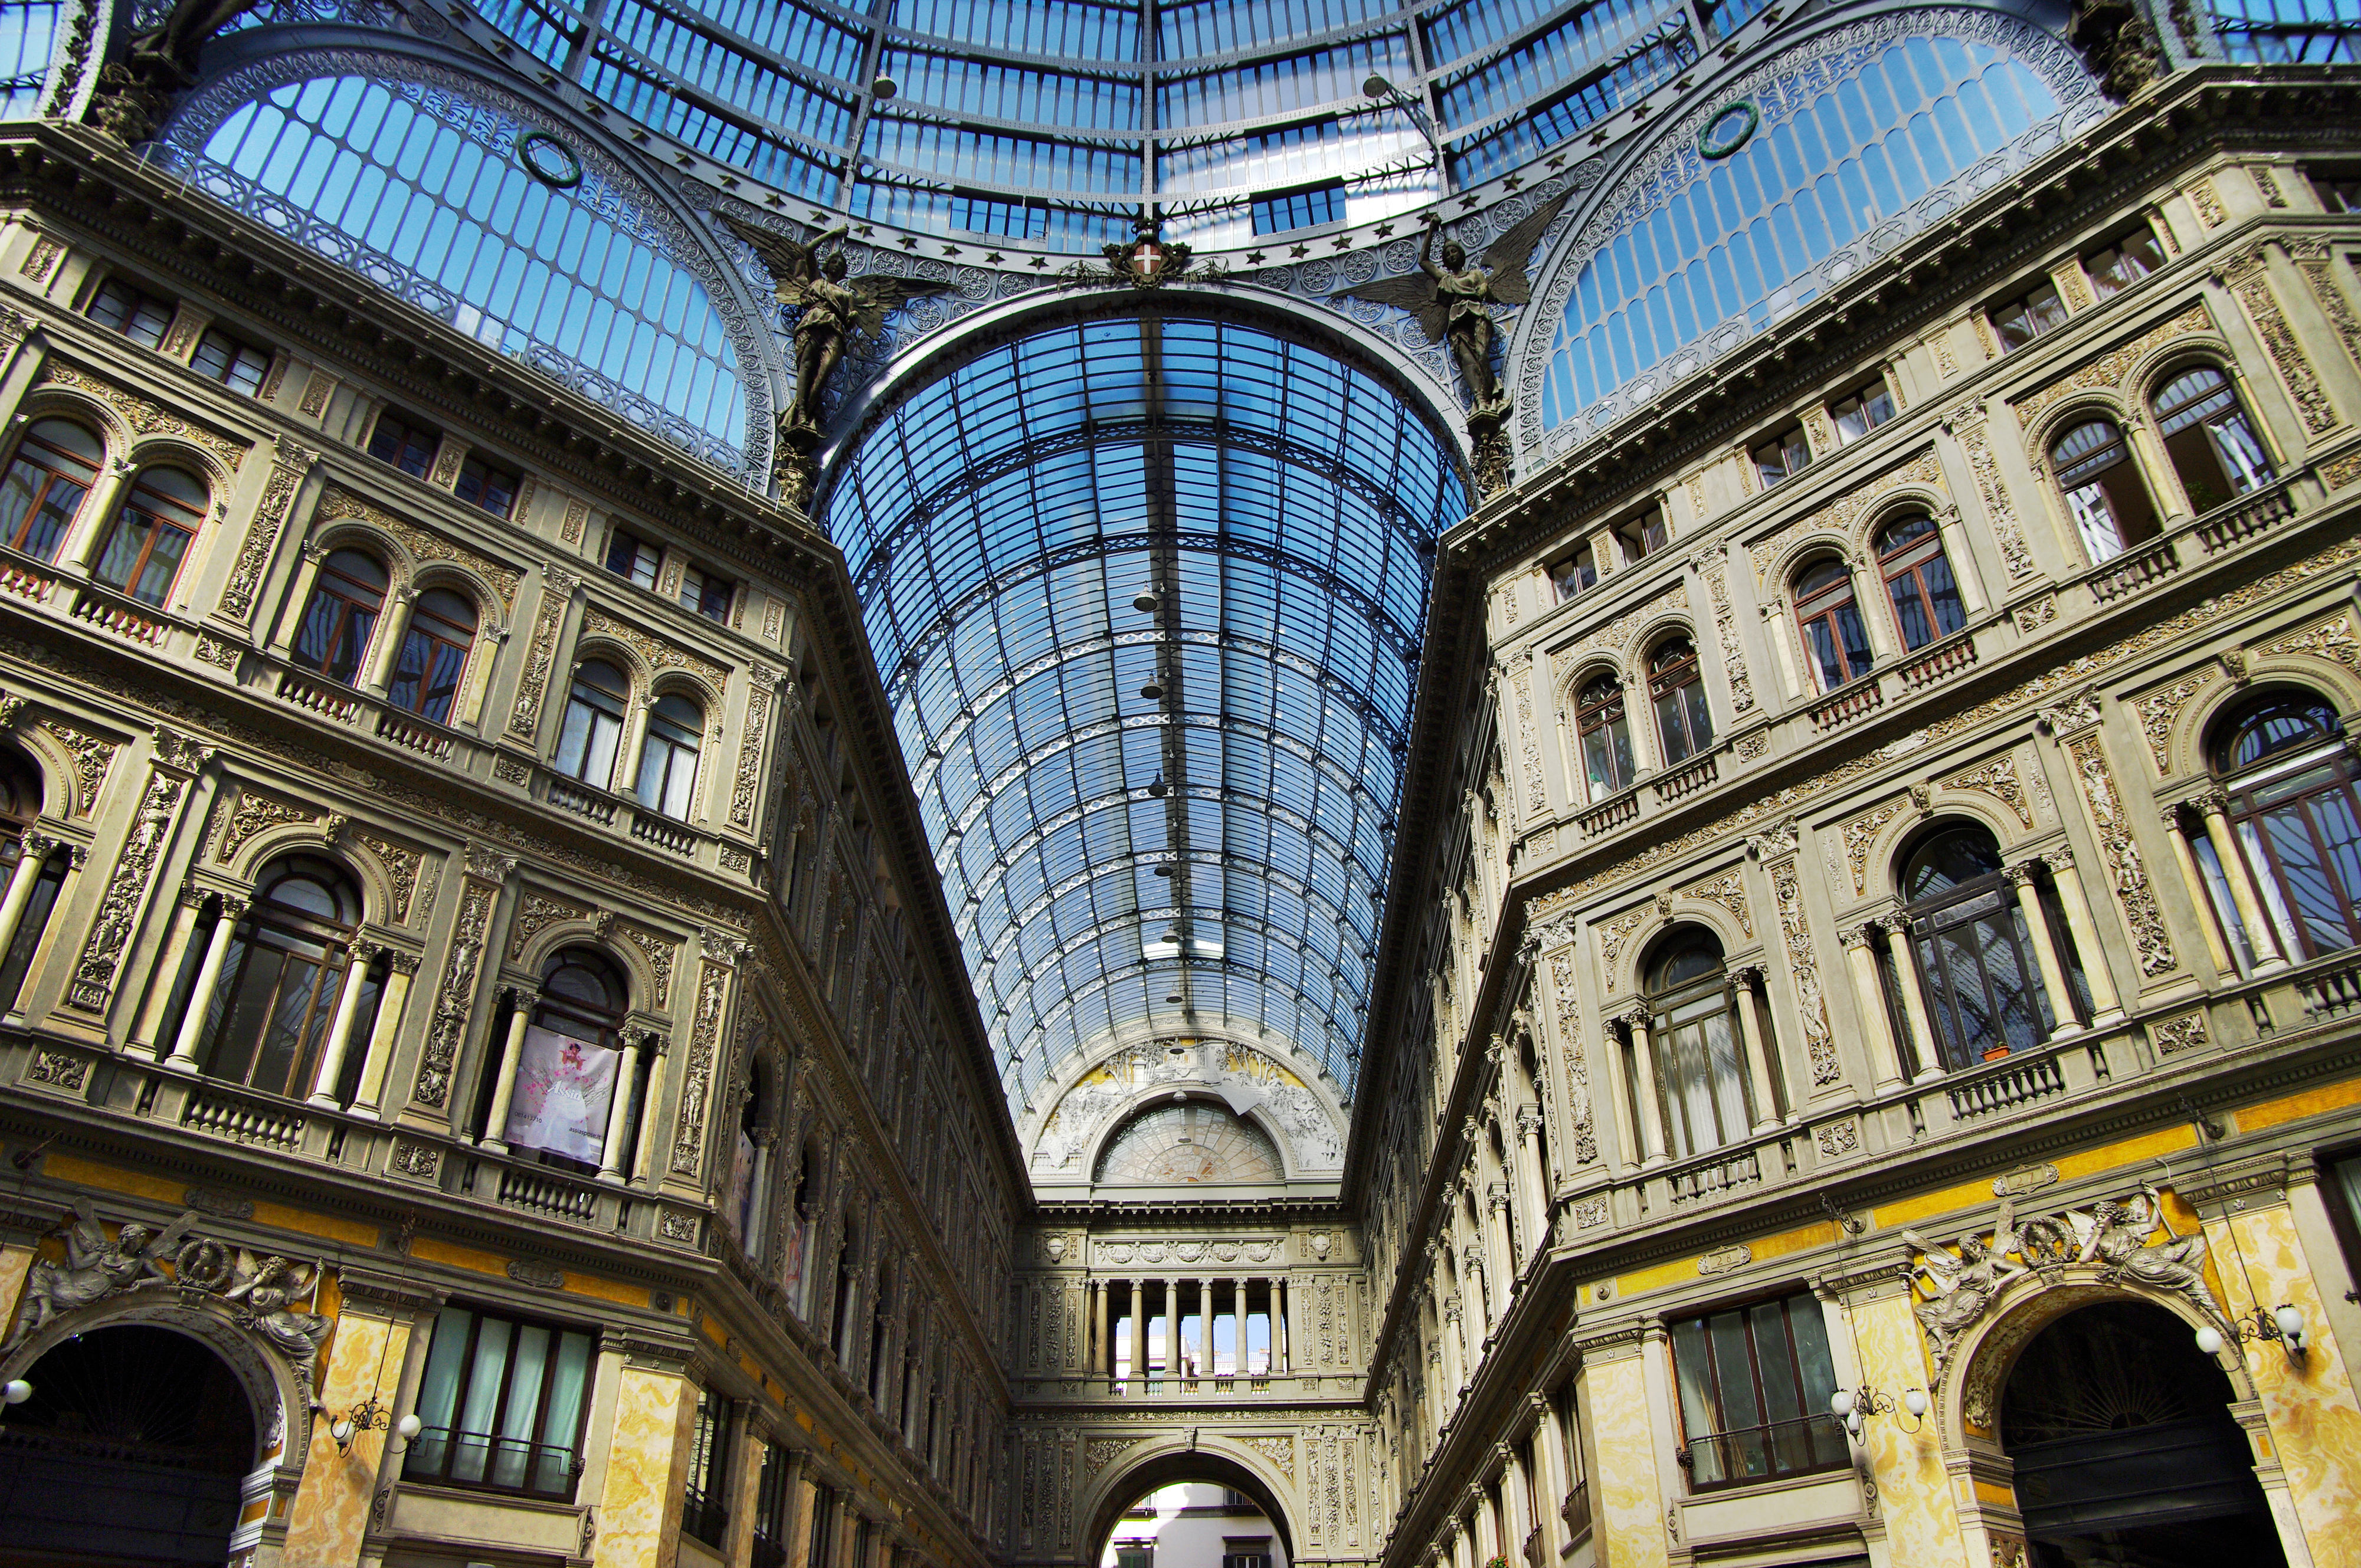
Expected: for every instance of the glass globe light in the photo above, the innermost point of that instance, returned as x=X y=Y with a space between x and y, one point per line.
x=408 y=1426
x=1841 y=1402
x=16 y=1392
x=2209 y=1340
x=2289 y=1320
x=1915 y=1401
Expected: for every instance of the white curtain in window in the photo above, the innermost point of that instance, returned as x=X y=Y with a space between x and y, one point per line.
x=2095 y=522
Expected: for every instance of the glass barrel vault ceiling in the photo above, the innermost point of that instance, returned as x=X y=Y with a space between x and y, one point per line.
x=1049 y=123
x=1146 y=595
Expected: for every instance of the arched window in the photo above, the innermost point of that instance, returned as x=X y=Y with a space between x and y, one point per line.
x=803 y=1226
x=346 y=599
x=1830 y=622
x=2297 y=817
x=1918 y=580
x=748 y=1169
x=594 y=725
x=668 y=755
x=572 y=1064
x=1973 y=949
x=1683 y=725
x=151 y=534
x=2209 y=438
x=1694 y=1032
x=1604 y=735
x=55 y=466
x=283 y=970
x=434 y=655
x=2104 y=496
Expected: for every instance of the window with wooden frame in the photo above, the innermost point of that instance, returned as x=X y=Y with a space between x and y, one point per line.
x=2017 y=322
x=1603 y=735
x=502 y=1401
x=1861 y=410
x=55 y=466
x=239 y=366
x=1684 y=722
x=150 y=535
x=1755 y=1385
x=2125 y=260
x=1783 y=457
x=1918 y=580
x=1829 y=621
x=405 y=440
x=142 y=317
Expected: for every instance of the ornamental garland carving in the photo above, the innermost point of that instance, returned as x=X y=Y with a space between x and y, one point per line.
x=1279 y=1451
x=1860 y=836
x=1612 y=934
x=1615 y=636
x=2126 y=869
x=1998 y=779
x=2113 y=368
x=1975 y=444
x=557 y=587
x=111 y=929
x=1528 y=748
x=402 y=868
x=2332 y=640
x=336 y=505
x=1714 y=568
x=659 y=952
x=1839 y=515
x=92 y=757
x=536 y=913
x=1578 y=1064
x=455 y=997
x=660 y=655
x=749 y=749
x=696 y=1073
x=287 y=473
x=1727 y=890
x=254 y=815
x=2250 y=281
x=1804 y=965
x=142 y=416
x=2183 y=1031
x=2159 y=711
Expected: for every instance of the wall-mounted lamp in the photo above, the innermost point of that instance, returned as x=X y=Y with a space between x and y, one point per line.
x=1852 y=1405
x=372 y=1415
x=16 y=1392
x=2282 y=1325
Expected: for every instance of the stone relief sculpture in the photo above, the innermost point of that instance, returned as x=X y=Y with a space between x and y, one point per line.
x=1301 y=1116
x=2118 y=1237
x=267 y=1286
x=96 y=1268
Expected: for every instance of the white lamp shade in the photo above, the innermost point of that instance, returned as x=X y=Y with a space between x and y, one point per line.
x=408 y=1426
x=2209 y=1340
x=1915 y=1401
x=16 y=1392
x=1841 y=1402
x=2289 y=1320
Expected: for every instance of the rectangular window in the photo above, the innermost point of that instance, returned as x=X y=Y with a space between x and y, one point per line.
x=823 y=1529
x=1136 y=1555
x=1574 y=574
x=1641 y=536
x=705 y=1511
x=502 y=1401
x=238 y=366
x=706 y=594
x=1781 y=457
x=1276 y=211
x=2027 y=317
x=2124 y=260
x=628 y=555
x=2338 y=193
x=405 y=440
x=1861 y=410
x=487 y=484
x=773 y=1508
x=1754 y=1387
x=141 y=317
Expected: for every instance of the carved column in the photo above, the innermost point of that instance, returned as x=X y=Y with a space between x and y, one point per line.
x=643 y=1160
x=2217 y=942
x=1504 y=1246
x=2106 y=1005
x=33 y=851
x=1898 y=947
x=399 y=969
x=2215 y=807
x=619 y=1111
x=1530 y=1181
x=1454 y=1356
x=1643 y=1081
x=392 y=628
x=522 y=1000
x=1758 y=1048
x=200 y=997
x=2045 y=952
x=358 y=959
x=1869 y=1000
x=160 y=981
x=104 y=502
x=1172 y=1328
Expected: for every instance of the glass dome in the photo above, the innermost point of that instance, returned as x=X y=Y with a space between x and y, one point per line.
x=1050 y=122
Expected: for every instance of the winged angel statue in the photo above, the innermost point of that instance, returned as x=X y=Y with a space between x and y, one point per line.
x=1453 y=302
x=810 y=279
x=96 y=1268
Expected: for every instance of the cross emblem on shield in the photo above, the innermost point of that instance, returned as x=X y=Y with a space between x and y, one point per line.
x=1146 y=260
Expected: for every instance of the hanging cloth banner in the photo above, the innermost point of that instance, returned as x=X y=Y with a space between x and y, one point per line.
x=564 y=1088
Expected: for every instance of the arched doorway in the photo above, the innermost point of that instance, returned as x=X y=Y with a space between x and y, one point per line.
x=2125 y=1449
x=1194 y=1508
x=132 y=1449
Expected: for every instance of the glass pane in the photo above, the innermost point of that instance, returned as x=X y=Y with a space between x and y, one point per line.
x=438 y=1389
x=519 y=1422
x=486 y=1379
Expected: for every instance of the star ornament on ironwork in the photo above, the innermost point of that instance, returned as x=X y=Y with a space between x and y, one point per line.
x=1147 y=262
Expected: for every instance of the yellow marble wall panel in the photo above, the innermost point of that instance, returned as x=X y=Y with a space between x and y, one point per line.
x=1922 y=1523
x=15 y=1262
x=331 y=1512
x=1631 y=1506
x=2314 y=1421
x=650 y=1407
x=2298 y=1107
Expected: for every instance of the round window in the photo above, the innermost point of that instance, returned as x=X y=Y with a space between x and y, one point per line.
x=549 y=160
x=1729 y=130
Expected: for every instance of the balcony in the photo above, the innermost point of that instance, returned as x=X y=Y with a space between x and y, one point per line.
x=1845 y=704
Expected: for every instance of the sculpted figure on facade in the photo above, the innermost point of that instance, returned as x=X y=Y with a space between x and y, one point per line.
x=96 y=1268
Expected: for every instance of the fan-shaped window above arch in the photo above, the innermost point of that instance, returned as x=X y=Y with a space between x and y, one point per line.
x=1863 y=141
x=430 y=195
x=1194 y=1144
